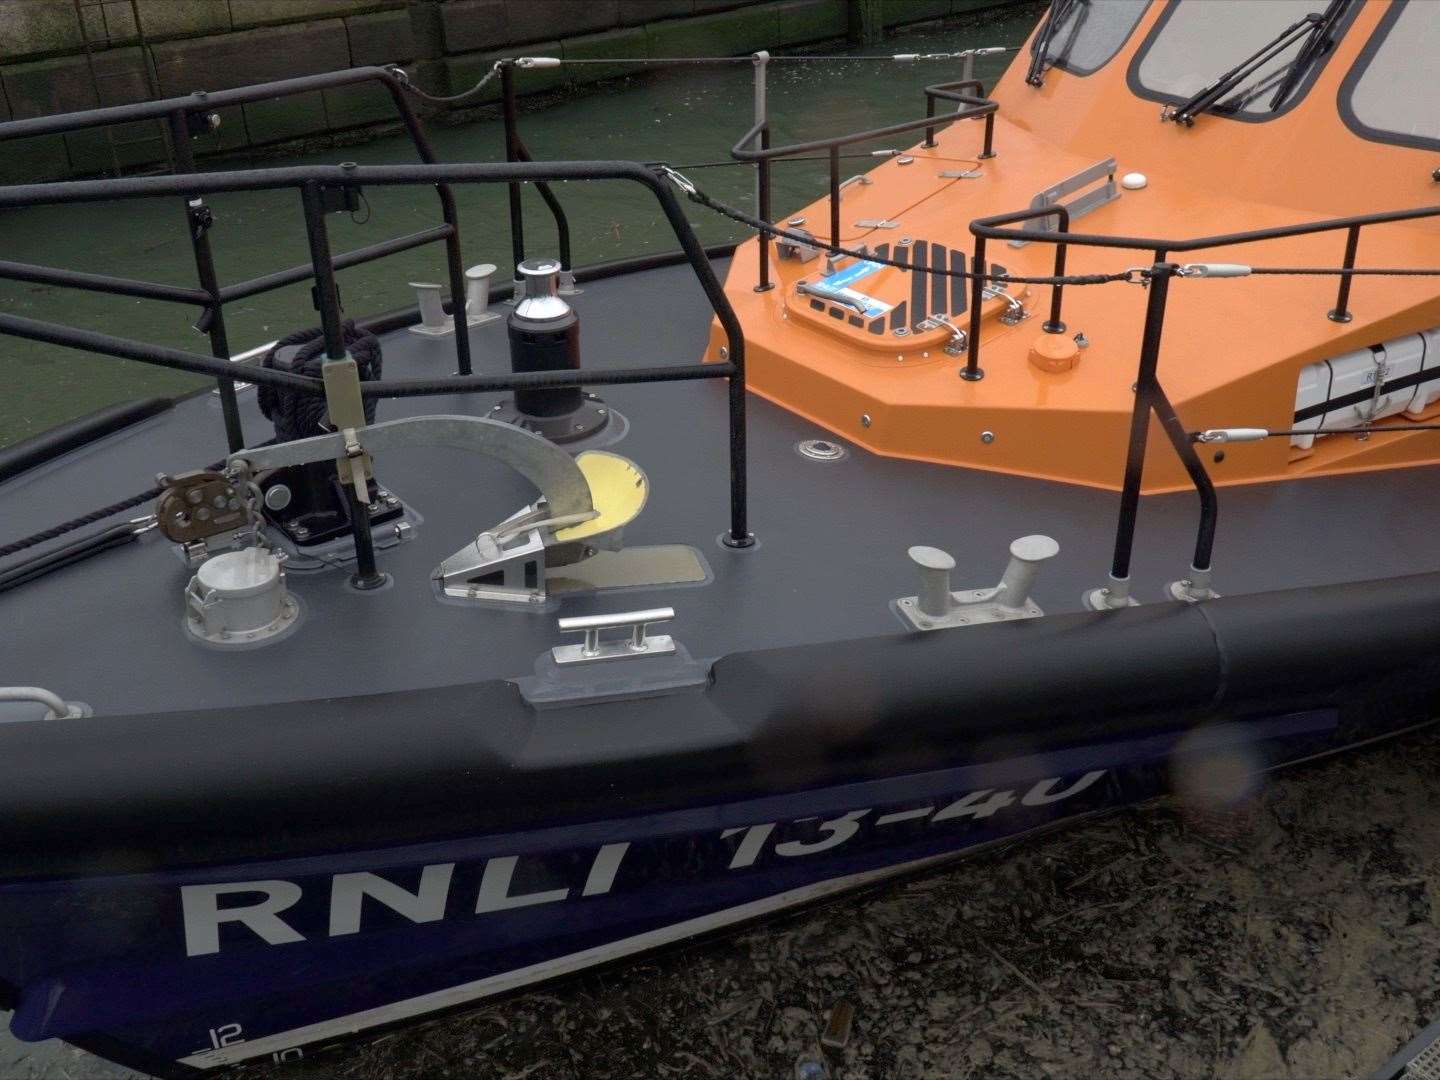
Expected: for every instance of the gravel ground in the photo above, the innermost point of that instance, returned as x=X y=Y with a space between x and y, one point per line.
x=1296 y=935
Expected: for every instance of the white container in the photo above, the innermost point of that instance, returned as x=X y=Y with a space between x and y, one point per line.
x=1356 y=372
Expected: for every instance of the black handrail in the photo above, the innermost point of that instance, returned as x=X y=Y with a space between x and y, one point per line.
x=951 y=92
x=185 y=115
x=515 y=150
x=972 y=372
x=1149 y=393
x=987 y=227
x=971 y=107
x=312 y=182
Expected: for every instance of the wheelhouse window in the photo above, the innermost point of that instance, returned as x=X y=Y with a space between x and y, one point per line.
x=1080 y=36
x=1391 y=94
x=1262 y=56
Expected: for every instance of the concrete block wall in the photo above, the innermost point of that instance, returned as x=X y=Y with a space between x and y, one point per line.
x=168 y=48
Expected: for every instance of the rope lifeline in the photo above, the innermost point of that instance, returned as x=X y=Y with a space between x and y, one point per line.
x=697 y=196
x=1134 y=275
x=57 y=531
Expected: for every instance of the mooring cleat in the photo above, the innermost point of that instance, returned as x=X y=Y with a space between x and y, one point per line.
x=936 y=607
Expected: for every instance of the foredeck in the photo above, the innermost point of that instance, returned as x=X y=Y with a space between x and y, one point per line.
x=830 y=559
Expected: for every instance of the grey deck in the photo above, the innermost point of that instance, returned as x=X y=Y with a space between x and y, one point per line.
x=831 y=556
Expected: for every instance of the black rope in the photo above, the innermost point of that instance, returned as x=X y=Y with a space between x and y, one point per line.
x=57 y=531
x=299 y=414
x=698 y=196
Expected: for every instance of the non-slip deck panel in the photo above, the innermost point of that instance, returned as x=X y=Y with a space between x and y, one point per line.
x=125 y=793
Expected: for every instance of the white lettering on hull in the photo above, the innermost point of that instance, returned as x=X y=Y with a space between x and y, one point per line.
x=426 y=904
x=429 y=901
x=203 y=914
x=495 y=888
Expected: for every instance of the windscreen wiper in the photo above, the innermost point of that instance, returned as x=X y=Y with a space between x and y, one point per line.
x=1304 y=31
x=1319 y=43
x=1059 y=9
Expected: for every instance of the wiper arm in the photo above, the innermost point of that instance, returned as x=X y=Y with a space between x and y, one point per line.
x=1035 y=76
x=1320 y=42
x=1186 y=112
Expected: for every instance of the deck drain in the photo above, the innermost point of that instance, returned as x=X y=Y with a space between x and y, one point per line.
x=820 y=450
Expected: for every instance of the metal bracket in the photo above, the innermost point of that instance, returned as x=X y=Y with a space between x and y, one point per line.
x=638 y=643
x=541 y=462
x=516 y=565
x=796 y=249
x=1110 y=597
x=346 y=409
x=498 y=565
x=1095 y=197
x=1194 y=588
x=202 y=218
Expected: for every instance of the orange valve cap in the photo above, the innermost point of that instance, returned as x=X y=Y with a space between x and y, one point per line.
x=1054 y=353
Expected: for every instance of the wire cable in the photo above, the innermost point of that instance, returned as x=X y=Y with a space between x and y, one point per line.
x=403 y=77
x=695 y=195
x=1354 y=271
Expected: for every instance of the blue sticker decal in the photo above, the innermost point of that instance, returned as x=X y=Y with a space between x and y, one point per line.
x=851 y=274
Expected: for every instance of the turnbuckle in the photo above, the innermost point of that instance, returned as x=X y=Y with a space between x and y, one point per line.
x=1141 y=275
x=1213 y=270
x=678 y=180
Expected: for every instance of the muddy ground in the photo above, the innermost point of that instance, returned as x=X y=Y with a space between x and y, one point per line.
x=1296 y=935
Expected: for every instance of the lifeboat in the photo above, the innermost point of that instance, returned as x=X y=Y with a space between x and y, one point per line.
x=1073 y=455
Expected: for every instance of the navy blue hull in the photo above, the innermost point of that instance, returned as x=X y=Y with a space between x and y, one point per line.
x=194 y=969
x=184 y=890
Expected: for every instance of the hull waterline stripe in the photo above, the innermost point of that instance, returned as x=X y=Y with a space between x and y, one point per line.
x=562 y=965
